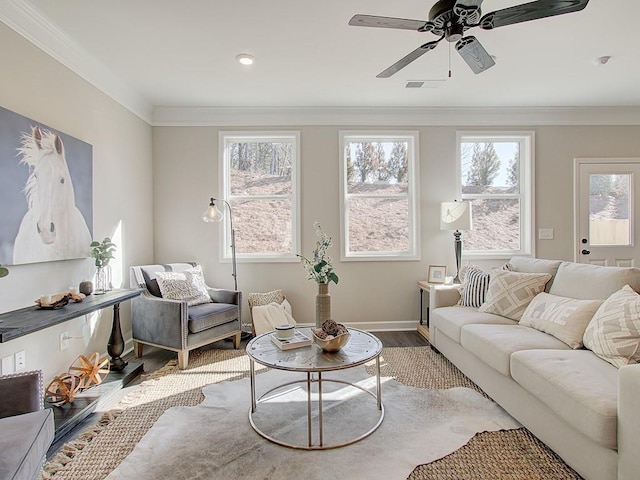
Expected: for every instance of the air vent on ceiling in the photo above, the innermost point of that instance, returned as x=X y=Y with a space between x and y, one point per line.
x=424 y=83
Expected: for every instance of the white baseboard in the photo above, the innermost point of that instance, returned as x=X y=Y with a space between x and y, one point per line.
x=401 y=326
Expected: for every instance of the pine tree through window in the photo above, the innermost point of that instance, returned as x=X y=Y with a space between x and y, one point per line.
x=379 y=204
x=496 y=177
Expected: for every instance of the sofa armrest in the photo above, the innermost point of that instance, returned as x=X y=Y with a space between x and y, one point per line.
x=21 y=393
x=220 y=295
x=628 y=422
x=443 y=296
x=159 y=320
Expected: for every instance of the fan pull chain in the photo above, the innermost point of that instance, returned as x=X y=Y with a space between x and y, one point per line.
x=449 y=60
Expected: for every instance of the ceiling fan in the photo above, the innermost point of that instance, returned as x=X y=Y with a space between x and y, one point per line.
x=450 y=19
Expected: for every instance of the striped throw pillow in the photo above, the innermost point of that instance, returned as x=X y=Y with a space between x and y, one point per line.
x=474 y=288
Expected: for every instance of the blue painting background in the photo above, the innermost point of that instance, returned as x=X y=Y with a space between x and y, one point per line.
x=13 y=176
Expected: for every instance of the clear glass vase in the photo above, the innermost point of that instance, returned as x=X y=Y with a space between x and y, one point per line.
x=101 y=282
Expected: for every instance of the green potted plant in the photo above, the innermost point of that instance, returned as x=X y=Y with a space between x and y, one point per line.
x=102 y=252
x=4 y=271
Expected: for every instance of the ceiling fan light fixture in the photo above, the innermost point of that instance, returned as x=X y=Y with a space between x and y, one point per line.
x=245 y=59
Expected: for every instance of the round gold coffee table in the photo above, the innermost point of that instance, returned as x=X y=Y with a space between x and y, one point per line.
x=311 y=360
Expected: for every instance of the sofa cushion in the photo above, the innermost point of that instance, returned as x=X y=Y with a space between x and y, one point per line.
x=24 y=441
x=510 y=292
x=494 y=344
x=474 y=287
x=536 y=265
x=588 y=282
x=450 y=320
x=186 y=285
x=576 y=385
x=208 y=315
x=614 y=332
x=564 y=318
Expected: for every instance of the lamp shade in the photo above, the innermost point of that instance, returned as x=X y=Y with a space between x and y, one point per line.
x=455 y=216
x=212 y=213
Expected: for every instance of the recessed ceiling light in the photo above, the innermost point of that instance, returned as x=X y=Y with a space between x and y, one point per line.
x=245 y=59
x=602 y=60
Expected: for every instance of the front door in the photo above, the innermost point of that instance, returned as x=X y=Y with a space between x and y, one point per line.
x=607 y=198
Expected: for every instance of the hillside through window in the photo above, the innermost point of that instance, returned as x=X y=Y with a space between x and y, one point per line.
x=260 y=182
x=496 y=177
x=379 y=206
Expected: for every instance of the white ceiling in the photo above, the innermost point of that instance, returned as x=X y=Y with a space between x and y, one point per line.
x=182 y=53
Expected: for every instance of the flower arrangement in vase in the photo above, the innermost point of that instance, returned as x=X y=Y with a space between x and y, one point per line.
x=320 y=269
x=102 y=253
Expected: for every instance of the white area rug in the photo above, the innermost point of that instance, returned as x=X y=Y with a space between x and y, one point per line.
x=214 y=440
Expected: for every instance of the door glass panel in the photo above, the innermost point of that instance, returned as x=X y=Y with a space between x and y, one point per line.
x=609 y=209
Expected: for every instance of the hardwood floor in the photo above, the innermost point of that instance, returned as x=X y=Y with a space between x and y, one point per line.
x=155 y=358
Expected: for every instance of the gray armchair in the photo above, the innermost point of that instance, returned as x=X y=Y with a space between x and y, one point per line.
x=26 y=430
x=175 y=326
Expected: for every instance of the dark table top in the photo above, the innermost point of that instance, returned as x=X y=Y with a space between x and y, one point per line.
x=27 y=320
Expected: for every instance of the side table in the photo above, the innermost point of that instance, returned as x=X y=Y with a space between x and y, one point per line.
x=425 y=286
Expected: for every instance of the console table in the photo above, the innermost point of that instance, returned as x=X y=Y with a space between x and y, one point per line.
x=24 y=321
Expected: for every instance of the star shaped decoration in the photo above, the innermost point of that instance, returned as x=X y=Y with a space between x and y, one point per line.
x=89 y=371
x=62 y=389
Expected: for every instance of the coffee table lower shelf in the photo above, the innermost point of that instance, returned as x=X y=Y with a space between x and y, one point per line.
x=319 y=381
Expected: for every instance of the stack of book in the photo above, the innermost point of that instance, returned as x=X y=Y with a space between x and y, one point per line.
x=298 y=340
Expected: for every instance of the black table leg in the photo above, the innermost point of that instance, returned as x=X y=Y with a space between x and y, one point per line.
x=421 y=308
x=115 y=347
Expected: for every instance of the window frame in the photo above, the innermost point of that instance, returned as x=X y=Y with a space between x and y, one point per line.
x=413 y=194
x=526 y=139
x=226 y=137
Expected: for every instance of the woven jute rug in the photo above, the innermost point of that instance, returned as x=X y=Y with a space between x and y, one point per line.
x=513 y=454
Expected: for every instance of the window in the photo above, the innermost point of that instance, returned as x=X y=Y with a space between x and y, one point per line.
x=260 y=180
x=379 y=195
x=496 y=176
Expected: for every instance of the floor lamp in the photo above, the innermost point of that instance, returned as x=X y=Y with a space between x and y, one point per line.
x=213 y=214
x=456 y=216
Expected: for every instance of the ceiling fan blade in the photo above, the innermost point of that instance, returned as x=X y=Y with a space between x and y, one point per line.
x=468 y=9
x=403 y=62
x=530 y=11
x=389 y=22
x=472 y=51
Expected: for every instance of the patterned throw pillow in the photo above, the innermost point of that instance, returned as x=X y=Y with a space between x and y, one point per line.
x=260 y=299
x=510 y=293
x=564 y=318
x=188 y=285
x=474 y=287
x=614 y=331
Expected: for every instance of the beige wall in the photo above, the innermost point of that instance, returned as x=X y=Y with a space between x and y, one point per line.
x=38 y=87
x=374 y=294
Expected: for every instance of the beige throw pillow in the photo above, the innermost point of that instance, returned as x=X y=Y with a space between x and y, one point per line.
x=564 y=318
x=614 y=331
x=188 y=285
x=510 y=293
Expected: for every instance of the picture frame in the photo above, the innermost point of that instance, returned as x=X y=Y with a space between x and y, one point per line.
x=436 y=273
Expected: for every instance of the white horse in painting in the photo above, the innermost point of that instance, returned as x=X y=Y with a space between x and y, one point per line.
x=53 y=228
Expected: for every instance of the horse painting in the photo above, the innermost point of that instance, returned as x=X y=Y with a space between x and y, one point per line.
x=53 y=228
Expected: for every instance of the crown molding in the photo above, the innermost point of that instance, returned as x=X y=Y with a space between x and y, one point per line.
x=29 y=22
x=390 y=116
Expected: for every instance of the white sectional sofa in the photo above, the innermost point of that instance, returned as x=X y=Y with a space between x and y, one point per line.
x=584 y=408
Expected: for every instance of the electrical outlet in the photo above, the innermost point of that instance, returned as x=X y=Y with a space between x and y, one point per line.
x=7 y=365
x=64 y=340
x=20 y=360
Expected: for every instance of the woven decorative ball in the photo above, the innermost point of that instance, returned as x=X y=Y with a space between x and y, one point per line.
x=62 y=389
